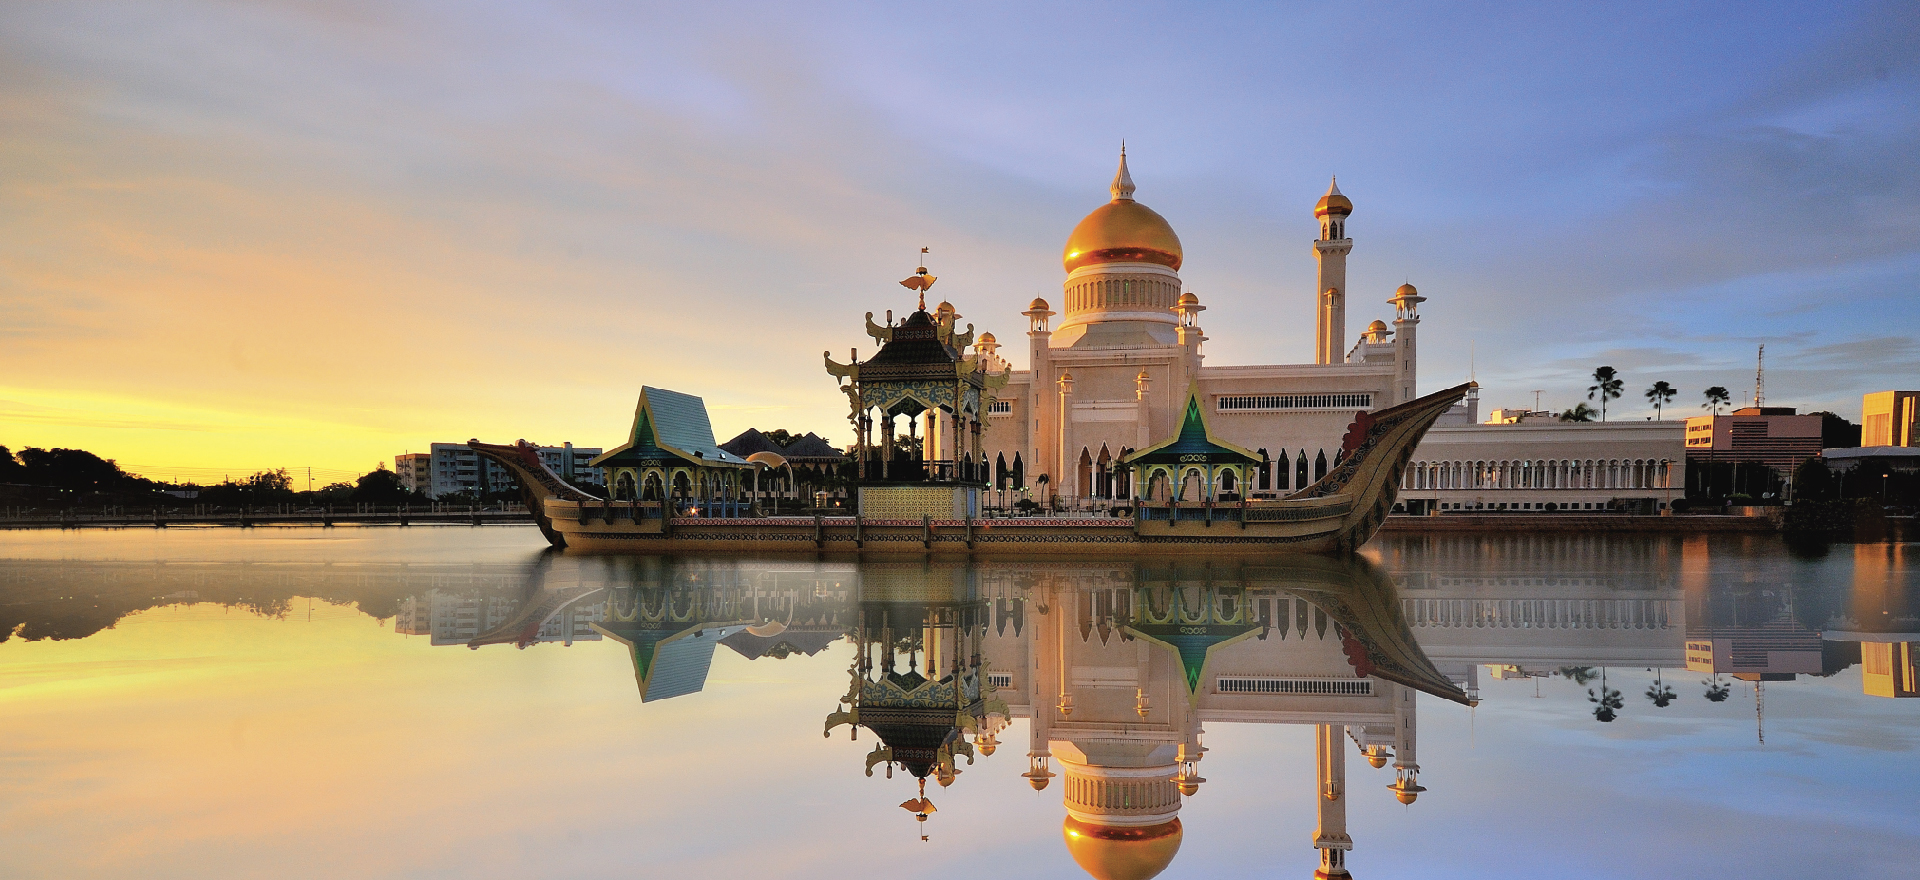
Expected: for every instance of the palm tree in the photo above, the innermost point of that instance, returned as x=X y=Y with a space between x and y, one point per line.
x=1661 y=394
x=1580 y=413
x=1659 y=692
x=1578 y=674
x=1606 y=385
x=1717 y=690
x=1607 y=701
x=1717 y=397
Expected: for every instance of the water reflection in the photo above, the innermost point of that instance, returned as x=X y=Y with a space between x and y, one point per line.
x=1115 y=675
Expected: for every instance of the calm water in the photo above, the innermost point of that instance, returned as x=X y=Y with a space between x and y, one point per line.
x=455 y=702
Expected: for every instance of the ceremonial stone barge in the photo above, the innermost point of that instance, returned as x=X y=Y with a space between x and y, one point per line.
x=672 y=489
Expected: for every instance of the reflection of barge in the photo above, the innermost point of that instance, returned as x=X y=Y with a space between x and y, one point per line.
x=1335 y=514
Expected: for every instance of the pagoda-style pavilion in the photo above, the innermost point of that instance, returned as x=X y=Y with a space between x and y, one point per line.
x=670 y=458
x=931 y=623
x=920 y=373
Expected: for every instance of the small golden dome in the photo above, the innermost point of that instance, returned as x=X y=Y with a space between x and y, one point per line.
x=1189 y=787
x=1405 y=290
x=1039 y=783
x=987 y=748
x=1333 y=202
x=1109 y=852
x=1188 y=299
x=1038 y=305
x=1377 y=760
x=1404 y=796
x=987 y=338
x=1376 y=326
x=1122 y=231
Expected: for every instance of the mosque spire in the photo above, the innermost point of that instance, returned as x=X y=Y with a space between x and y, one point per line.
x=1334 y=189
x=1122 y=181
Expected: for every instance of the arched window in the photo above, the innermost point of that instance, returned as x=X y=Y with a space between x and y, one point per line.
x=1300 y=471
x=1282 y=472
x=1084 y=486
x=1193 y=485
x=1000 y=472
x=623 y=486
x=651 y=492
x=1320 y=465
x=1019 y=472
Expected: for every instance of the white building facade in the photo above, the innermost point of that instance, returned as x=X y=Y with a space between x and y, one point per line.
x=1545 y=466
x=454 y=468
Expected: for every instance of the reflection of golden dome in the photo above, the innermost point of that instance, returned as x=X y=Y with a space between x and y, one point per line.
x=1122 y=231
x=1333 y=202
x=1377 y=760
x=1108 y=852
x=1189 y=787
x=1039 y=783
x=988 y=748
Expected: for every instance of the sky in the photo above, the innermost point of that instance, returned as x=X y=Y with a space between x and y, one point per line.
x=304 y=234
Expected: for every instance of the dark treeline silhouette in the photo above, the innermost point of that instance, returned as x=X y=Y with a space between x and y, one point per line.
x=75 y=478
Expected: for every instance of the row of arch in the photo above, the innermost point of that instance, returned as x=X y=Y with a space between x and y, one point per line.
x=687 y=484
x=1603 y=473
x=1147 y=294
x=1101 y=475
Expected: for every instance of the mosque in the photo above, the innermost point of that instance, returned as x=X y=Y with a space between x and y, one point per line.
x=1114 y=374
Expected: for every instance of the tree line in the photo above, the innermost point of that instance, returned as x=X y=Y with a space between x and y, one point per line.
x=76 y=477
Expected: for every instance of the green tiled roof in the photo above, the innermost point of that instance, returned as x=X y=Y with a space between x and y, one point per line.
x=1194 y=442
x=668 y=425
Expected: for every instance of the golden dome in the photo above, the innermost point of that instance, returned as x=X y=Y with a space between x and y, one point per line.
x=988 y=748
x=1108 y=852
x=1405 y=290
x=1038 y=305
x=1122 y=231
x=1377 y=760
x=1188 y=299
x=1333 y=202
x=1039 y=783
x=1189 y=787
x=987 y=337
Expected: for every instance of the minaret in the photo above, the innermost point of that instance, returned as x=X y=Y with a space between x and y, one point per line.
x=1406 y=318
x=1330 y=338
x=1330 y=836
x=1039 y=362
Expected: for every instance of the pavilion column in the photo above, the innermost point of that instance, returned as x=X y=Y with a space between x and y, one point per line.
x=886 y=444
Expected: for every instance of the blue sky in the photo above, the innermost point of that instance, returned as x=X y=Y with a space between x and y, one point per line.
x=282 y=233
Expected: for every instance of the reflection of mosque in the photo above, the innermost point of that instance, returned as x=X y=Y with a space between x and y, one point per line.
x=1119 y=670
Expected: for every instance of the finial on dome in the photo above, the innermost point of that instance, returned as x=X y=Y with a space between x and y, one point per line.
x=1334 y=188
x=1122 y=181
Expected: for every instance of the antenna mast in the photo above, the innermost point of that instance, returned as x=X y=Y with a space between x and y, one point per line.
x=1760 y=376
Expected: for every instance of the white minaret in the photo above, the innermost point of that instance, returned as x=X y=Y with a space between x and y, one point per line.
x=1406 y=318
x=1330 y=336
x=1330 y=835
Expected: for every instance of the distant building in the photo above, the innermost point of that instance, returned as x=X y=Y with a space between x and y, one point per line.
x=456 y=618
x=1898 y=459
x=453 y=468
x=1890 y=418
x=1526 y=461
x=1771 y=435
x=415 y=470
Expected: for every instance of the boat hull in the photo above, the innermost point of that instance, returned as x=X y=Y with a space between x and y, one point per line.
x=1336 y=514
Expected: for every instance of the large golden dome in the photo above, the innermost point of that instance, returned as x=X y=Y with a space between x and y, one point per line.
x=1122 y=231
x=1108 y=852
